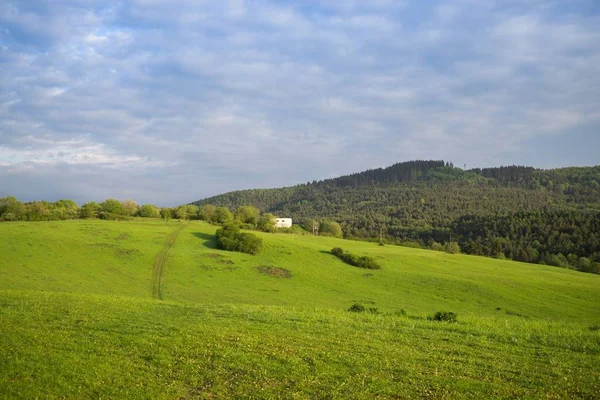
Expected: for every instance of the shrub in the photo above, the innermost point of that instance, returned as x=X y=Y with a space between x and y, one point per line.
x=230 y=238
x=452 y=248
x=330 y=228
x=113 y=217
x=357 y=308
x=357 y=261
x=444 y=316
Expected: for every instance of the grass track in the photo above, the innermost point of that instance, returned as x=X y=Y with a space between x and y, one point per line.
x=159 y=263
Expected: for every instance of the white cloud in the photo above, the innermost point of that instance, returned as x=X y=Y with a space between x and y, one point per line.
x=241 y=94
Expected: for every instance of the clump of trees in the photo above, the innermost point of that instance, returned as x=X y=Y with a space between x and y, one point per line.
x=357 y=261
x=230 y=238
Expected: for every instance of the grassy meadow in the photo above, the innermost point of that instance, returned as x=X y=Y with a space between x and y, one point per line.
x=80 y=318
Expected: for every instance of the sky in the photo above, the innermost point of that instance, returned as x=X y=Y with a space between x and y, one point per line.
x=171 y=101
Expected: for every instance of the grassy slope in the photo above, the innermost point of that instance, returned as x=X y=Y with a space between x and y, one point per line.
x=416 y=280
x=81 y=256
x=290 y=337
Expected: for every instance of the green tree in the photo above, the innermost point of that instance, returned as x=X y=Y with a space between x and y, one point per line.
x=266 y=222
x=207 y=212
x=181 y=212
x=330 y=228
x=89 y=210
x=112 y=206
x=149 y=211
x=308 y=224
x=38 y=211
x=192 y=211
x=64 y=209
x=11 y=209
x=130 y=208
x=247 y=215
x=452 y=248
x=166 y=214
x=221 y=216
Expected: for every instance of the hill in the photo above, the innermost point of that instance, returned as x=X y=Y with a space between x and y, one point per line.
x=521 y=213
x=120 y=258
x=80 y=317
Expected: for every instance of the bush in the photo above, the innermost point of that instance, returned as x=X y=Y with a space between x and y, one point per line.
x=230 y=238
x=356 y=307
x=357 y=261
x=113 y=217
x=330 y=228
x=444 y=316
x=452 y=248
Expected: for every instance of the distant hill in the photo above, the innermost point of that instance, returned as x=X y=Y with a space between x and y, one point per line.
x=523 y=213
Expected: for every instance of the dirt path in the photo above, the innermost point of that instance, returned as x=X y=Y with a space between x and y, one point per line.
x=159 y=263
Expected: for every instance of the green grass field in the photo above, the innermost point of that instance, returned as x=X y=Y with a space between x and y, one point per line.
x=80 y=317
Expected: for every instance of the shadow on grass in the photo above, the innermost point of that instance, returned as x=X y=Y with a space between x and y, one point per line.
x=210 y=241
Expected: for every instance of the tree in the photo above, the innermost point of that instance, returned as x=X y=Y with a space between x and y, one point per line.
x=221 y=216
x=308 y=224
x=207 y=212
x=452 y=248
x=266 y=222
x=330 y=228
x=89 y=210
x=38 y=211
x=11 y=209
x=166 y=214
x=149 y=211
x=181 y=212
x=64 y=209
x=247 y=215
x=192 y=211
x=112 y=206
x=130 y=208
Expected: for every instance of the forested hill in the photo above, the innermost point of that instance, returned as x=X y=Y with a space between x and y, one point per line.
x=523 y=213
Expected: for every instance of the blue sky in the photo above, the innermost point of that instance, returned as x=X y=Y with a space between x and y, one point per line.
x=170 y=101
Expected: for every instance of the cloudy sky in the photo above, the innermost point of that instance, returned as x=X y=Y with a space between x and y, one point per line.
x=170 y=101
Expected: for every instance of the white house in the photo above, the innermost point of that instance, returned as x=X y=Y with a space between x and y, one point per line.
x=283 y=222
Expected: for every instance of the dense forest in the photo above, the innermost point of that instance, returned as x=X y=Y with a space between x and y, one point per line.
x=521 y=213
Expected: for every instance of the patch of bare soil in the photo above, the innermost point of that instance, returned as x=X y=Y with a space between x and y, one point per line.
x=276 y=272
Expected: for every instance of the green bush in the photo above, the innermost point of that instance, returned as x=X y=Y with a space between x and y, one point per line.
x=444 y=316
x=230 y=238
x=357 y=261
x=357 y=308
x=452 y=248
x=113 y=217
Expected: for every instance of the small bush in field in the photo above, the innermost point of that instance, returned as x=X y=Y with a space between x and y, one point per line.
x=230 y=238
x=444 y=316
x=357 y=261
x=357 y=308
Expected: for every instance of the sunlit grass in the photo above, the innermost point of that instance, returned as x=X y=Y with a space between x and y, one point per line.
x=275 y=325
